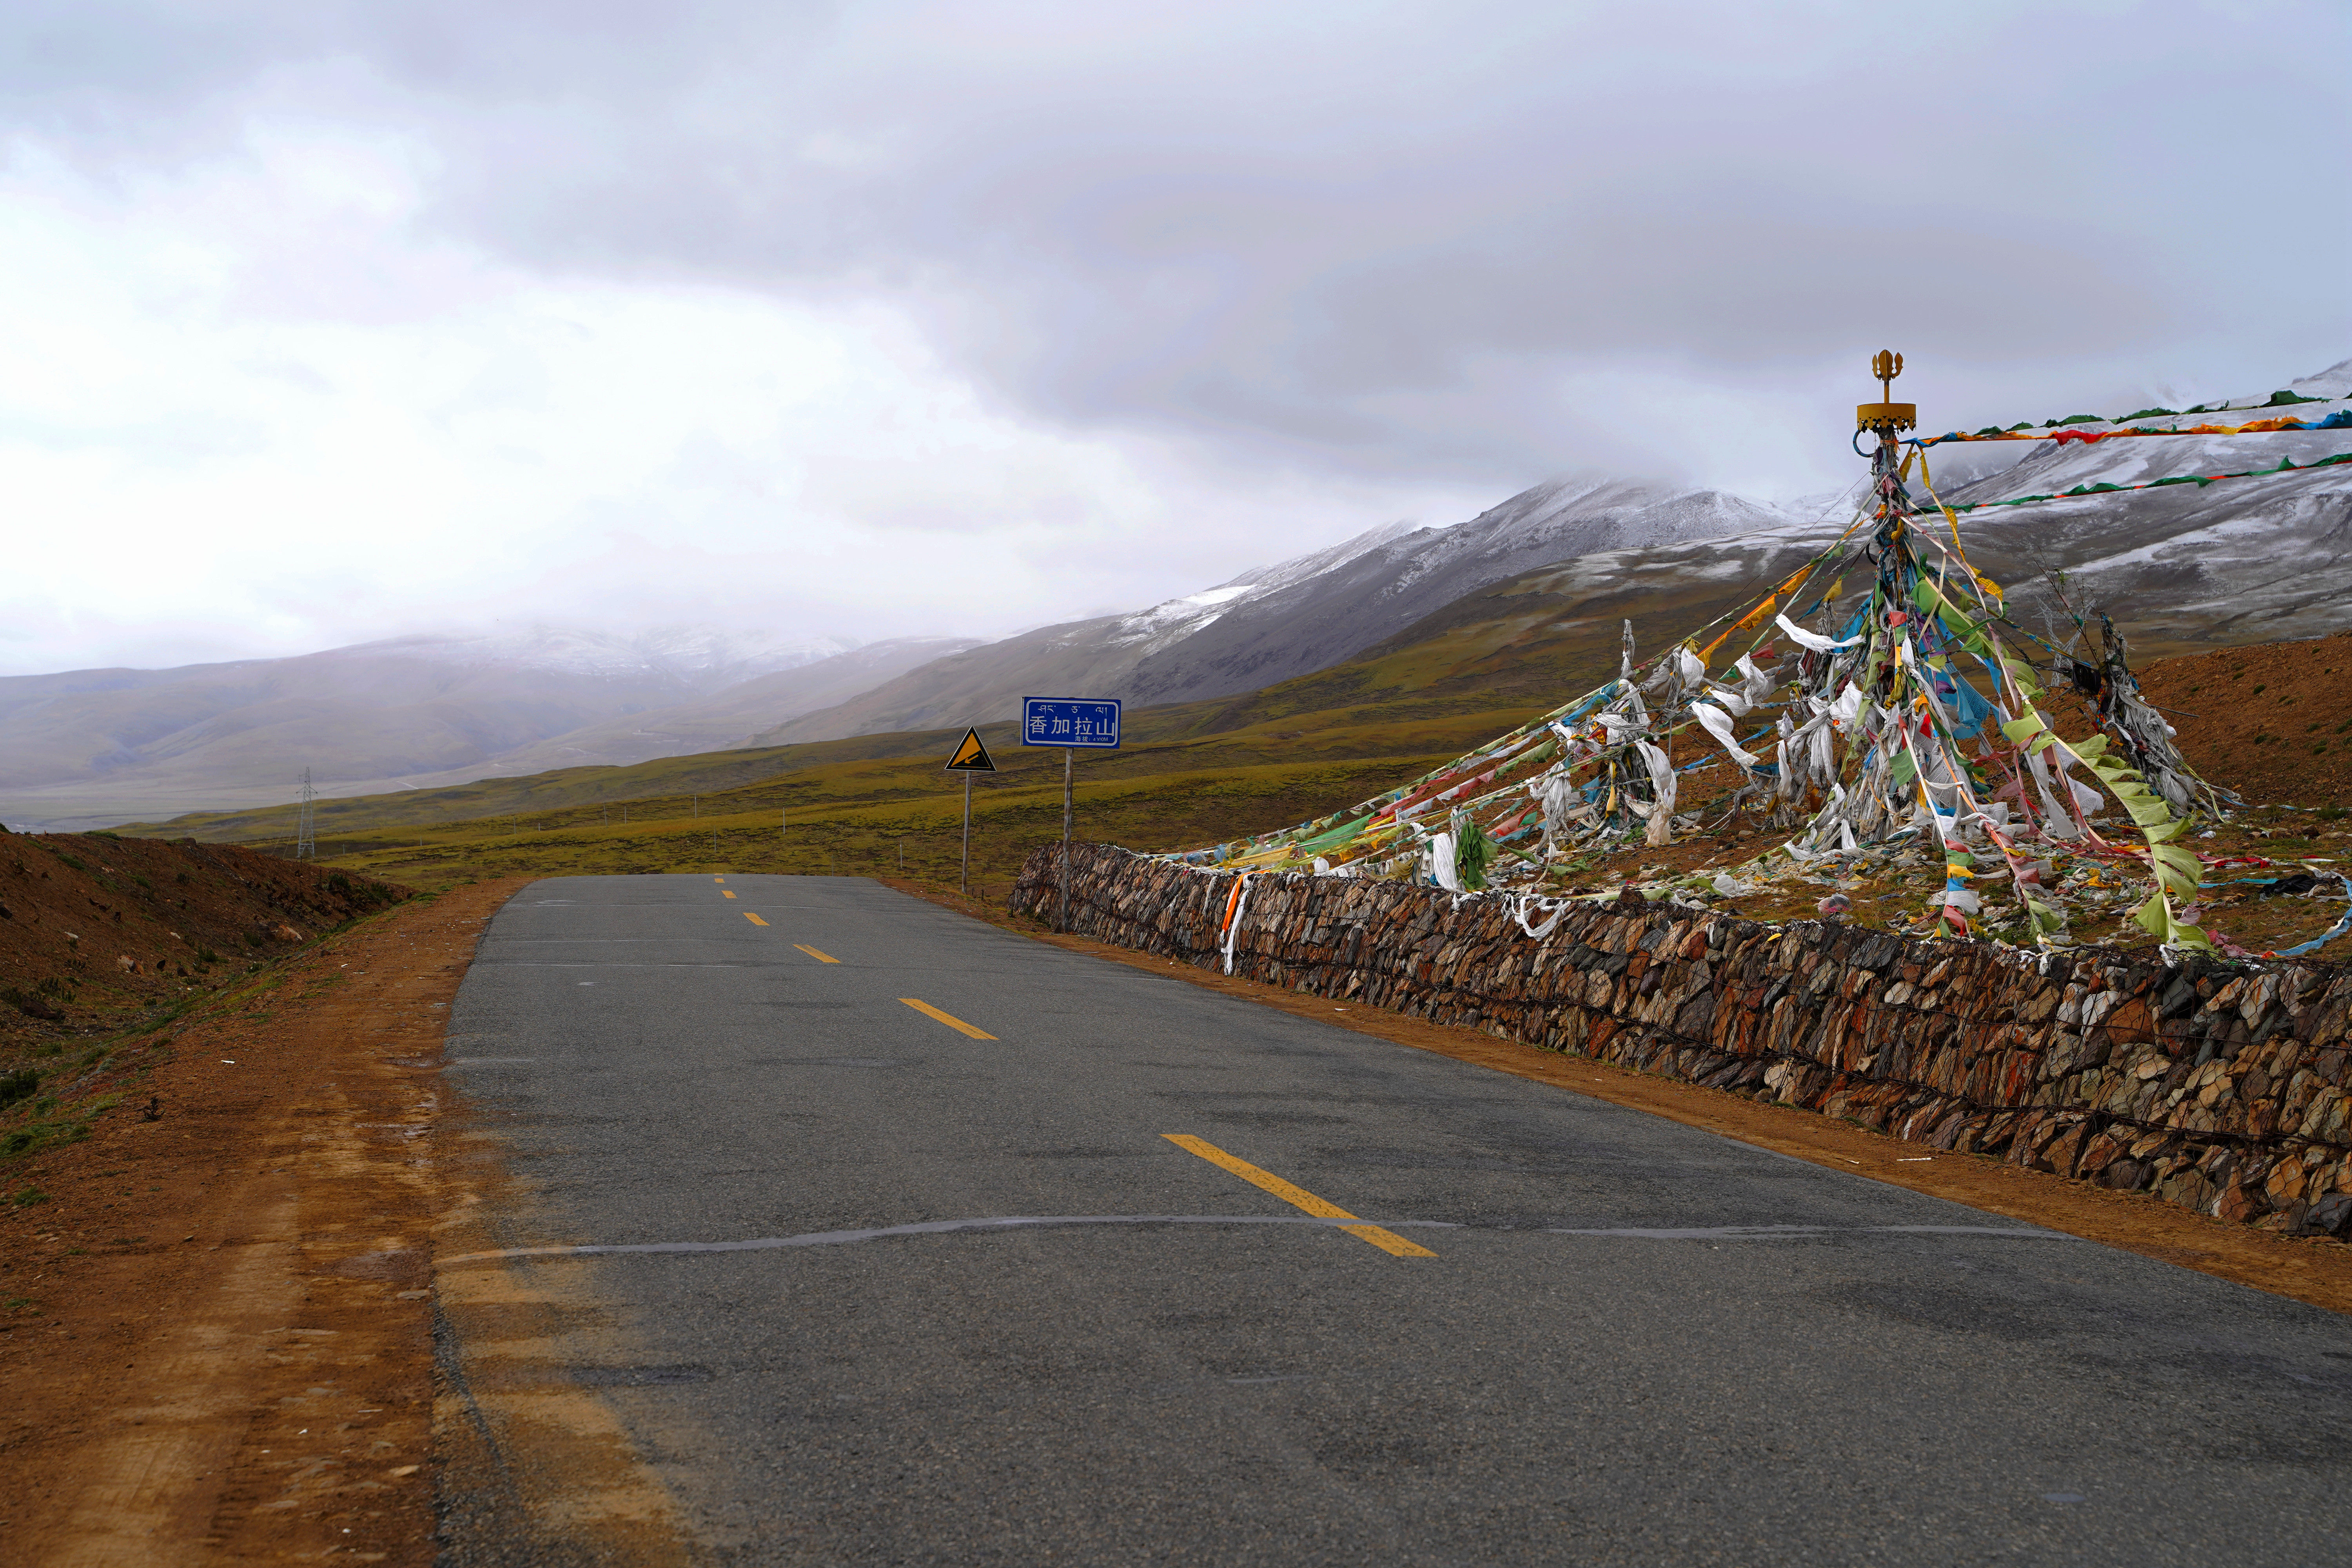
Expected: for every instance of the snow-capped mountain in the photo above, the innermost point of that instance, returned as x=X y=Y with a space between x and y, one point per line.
x=2178 y=566
x=1171 y=621
x=1307 y=623
x=2234 y=560
x=1292 y=618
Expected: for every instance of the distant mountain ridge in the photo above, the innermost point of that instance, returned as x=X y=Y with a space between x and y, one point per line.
x=2238 y=561
x=1290 y=619
x=728 y=718
x=84 y=747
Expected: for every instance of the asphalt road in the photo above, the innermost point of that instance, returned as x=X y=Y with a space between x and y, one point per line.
x=1569 y=1333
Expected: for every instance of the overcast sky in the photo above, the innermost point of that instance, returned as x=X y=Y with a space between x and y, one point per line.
x=328 y=322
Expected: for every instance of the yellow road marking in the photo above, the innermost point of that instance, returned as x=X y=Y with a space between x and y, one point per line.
x=1297 y=1197
x=726 y=892
x=820 y=957
x=951 y=1021
x=753 y=919
x=717 y=878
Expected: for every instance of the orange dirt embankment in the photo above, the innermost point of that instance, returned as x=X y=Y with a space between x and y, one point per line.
x=97 y=932
x=215 y=1326
x=2273 y=722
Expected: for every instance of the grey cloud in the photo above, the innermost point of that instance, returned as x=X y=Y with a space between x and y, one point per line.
x=135 y=61
x=1375 y=240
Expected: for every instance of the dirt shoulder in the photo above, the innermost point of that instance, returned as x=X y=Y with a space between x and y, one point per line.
x=215 y=1326
x=2316 y=1270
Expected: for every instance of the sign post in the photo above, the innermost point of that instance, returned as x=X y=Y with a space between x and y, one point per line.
x=970 y=758
x=1069 y=722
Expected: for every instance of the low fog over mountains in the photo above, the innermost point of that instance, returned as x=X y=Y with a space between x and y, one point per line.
x=105 y=745
x=2241 y=560
x=96 y=746
x=1290 y=619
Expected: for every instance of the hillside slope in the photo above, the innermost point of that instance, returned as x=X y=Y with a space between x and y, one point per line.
x=2278 y=730
x=1290 y=620
x=97 y=931
x=2233 y=560
x=1510 y=650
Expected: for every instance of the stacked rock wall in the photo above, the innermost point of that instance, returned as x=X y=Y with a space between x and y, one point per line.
x=2222 y=1087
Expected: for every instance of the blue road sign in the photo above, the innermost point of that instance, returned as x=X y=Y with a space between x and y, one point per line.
x=1069 y=722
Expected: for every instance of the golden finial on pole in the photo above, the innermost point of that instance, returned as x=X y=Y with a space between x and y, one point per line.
x=1888 y=417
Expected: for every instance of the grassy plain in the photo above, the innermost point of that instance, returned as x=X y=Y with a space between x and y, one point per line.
x=869 y=814
x=886 y=815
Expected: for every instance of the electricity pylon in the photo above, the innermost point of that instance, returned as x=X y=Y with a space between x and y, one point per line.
x=306 y=836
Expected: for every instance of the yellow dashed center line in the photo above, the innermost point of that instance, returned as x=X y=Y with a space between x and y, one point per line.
x=1297 y=1197
x=820 y=957
x=726 y=892
x=950 y=1020
x=717 y=878
x=753 y=919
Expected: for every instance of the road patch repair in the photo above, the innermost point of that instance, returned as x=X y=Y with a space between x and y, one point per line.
x=216 y=1307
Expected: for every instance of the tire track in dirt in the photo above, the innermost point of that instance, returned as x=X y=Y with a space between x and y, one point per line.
x=216 y=1328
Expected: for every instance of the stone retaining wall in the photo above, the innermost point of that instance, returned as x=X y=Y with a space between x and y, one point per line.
x=2222 y=1087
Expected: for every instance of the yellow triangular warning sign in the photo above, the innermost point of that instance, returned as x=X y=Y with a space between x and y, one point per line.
x=971 y=757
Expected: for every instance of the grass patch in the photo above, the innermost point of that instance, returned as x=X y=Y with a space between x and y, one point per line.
x=52 y=1125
